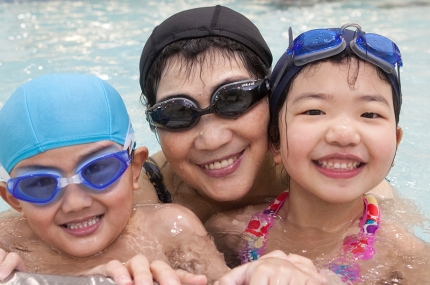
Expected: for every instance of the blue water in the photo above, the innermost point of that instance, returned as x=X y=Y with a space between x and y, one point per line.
x=105 y=38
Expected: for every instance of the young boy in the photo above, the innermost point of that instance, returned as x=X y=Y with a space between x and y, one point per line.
x=68 y=159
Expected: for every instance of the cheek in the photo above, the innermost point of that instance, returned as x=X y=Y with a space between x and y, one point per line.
x=175 y=145
x=383 y=147
x=254 y=124
x=40 y=219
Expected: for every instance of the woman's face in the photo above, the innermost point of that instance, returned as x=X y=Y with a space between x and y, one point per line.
x=218 y=157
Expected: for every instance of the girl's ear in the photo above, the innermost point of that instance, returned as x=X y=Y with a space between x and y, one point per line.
x=399 y=135
x=139 y=157
x=277 y=158
x=8 y=198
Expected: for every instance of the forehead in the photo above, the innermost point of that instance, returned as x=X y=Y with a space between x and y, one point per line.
x=67 y=157
x=354 y=76
x=203 y=74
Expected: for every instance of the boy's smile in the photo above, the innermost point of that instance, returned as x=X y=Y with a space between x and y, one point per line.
x=338 y=139
x=81 y=222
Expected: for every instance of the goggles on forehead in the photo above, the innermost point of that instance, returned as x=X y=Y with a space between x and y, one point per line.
x=318 y=44
x=230 y=101
x=98 y=173
x=322 y=43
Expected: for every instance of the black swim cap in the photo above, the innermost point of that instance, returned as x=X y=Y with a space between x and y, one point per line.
x=217 y=21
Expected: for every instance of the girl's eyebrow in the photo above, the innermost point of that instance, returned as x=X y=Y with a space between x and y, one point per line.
x=307 y=96
x=374 y=98
x=321 y=96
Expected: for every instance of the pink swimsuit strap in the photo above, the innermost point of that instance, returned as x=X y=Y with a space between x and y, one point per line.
x=255 y=234
x=361 y=245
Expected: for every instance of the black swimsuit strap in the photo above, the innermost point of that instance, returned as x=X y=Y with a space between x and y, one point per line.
x=154 y=175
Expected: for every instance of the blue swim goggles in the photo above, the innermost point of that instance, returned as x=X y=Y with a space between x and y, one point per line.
x=44 y=186
x=318 y=44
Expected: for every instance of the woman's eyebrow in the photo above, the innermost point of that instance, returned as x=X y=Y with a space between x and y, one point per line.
x=231 y=80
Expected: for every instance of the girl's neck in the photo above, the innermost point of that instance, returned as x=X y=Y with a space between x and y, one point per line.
x=307 y=211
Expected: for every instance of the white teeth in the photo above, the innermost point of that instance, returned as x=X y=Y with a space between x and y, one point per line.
x=90 y=222
x=220 y=164
x=338 y=165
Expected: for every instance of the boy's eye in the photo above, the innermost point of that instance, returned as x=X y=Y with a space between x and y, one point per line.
x=95 y=168
x=370 y=115
x=43 y=182
x=314 y=112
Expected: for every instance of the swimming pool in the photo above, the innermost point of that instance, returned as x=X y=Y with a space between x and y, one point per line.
x=105 y=38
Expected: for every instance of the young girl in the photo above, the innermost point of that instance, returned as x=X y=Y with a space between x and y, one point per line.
x=335 y=107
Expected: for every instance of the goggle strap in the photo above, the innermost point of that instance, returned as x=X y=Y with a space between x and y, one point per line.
x=130 y=140
x=281 y=73
x=4 y=176
x=290 y=38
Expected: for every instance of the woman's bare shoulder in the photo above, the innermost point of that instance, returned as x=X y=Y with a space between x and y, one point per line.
x=236 y=219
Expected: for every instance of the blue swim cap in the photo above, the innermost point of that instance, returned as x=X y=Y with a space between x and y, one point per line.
x=59 y=110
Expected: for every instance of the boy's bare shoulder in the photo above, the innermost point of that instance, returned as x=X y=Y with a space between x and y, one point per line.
x=168 y=217
x=15 y=233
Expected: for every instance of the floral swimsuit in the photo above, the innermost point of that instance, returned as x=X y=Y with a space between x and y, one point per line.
x=360 y=246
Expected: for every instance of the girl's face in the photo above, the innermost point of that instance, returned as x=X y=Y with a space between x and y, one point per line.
x=220 y=158
x=81 y=222
x=338 y=141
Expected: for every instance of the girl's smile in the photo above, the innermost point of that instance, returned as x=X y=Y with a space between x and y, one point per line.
x=336 y=136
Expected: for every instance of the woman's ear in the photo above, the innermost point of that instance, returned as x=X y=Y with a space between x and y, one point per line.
x=139 y=157
x=8 y=198
x=399 y=135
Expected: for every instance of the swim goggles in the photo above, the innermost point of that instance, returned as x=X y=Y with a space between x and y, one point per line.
x=230 y=101
x=318 y=44
x=98 y=173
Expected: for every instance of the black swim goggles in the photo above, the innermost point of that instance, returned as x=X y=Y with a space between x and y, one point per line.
x=318 y=44
x=230 y=101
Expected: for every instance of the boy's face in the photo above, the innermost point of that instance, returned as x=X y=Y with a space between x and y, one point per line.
x=338 y=141
x=80 y=222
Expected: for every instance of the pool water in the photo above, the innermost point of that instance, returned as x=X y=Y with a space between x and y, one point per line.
x=105 y=38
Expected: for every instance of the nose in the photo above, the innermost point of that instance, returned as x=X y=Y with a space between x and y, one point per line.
x=212 y=132
x=75 y=198
x=342 y=132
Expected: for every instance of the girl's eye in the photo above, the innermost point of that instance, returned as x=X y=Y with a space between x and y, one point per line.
x=370 y=115
x=314 y=112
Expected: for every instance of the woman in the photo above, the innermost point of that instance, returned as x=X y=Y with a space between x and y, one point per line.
x=202 y=74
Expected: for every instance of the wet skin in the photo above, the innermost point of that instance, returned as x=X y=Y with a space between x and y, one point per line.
x=220 y=163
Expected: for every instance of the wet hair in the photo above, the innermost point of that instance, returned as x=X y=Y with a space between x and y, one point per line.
x=344 y=58
x=192 y=52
